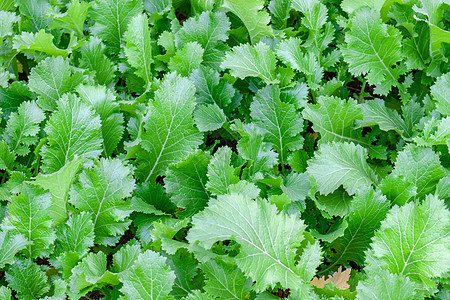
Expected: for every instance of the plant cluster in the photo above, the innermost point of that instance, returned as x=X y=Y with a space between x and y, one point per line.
x=224 y=149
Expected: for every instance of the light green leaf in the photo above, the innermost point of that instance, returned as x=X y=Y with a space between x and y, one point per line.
x=435 y=132
x=10 y=244
x=94 y=59
x=7 y=19
x=376 y=113
x=77 y=234
x=266 y=254
x=160 y=6
x=398 y=189
x=440 y=91
x=413 y=242
x=125 y=258
x=28 y=280
x=7 y=157
x=368 y=209
x=50 y=79
x=385 y=285
x=252 y=147
x=187 y=59
x=251 y=61
x=210 y=31
x=28 y=215
x=209 y=117
x=149 y=277
x=279 y=121
x=220 y=172
x=315 y=13
x=372 y=49
x=111 y=20
x=170 y=134
x=41 y=41
x=210 y=88
x=5 y=293
x=279 y=9
x=291 y=53
x=417 y=48
x=73 y=18
x=296 y=186
x=101 y=191
x=421 y=166
x=104 y=103
x=255 y=20
x=336 y=204
x=58 y=184
x=73 y=130
x=139 y=47
x=91 y=273
x=350 y=6
x=186 y=181
x=225 y=281
x=36 y=11
x=22 y=128
x=338 y=164
x=334 y=119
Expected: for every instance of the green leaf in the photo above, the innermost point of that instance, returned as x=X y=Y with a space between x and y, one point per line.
x=421 y=166
x=22 y=128
x=91 y=273
x=36 y=11
x=77 y=234
x=101 y=191
x=251 y=61
x=279 y=121
x=337 y=203
x=148 y=277
x=28 y=280
x=104 y=103
x=187 y=59
x=185 y=181
x=210 y=31
x=58 y=184
x=368 y=209
x=51 y=78
x=279 y=9
x=209 y=117
x=139 y=47
x=398 y=189
x=315 y=13
x=73 y=130
x=111 y=20
x=376 y=113
x=210 y=88
x=373 y=49
x=220 y=172
x=7 y=19
x=296 y=186
x=41 y=41
x=6 y=157
x=185 y=267
x=10 y=244
x=170 y=134
x=252 y=147
x=412 y=242
x=94 y=59
x=385 y=285
x=350 y=6
x=28 y=215
x=334 y=119
x=338 y=164
x=125 y=258
x=225 y=281
x=152 y=199
x=73 y=18
x=292 y=55
x=5 y=293
x=265 y=255
x=435 y=132
x=417 y=48
x=255 y=20
x=440 y=91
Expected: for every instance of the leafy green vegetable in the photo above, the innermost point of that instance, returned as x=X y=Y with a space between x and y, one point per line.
x=233 y=149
